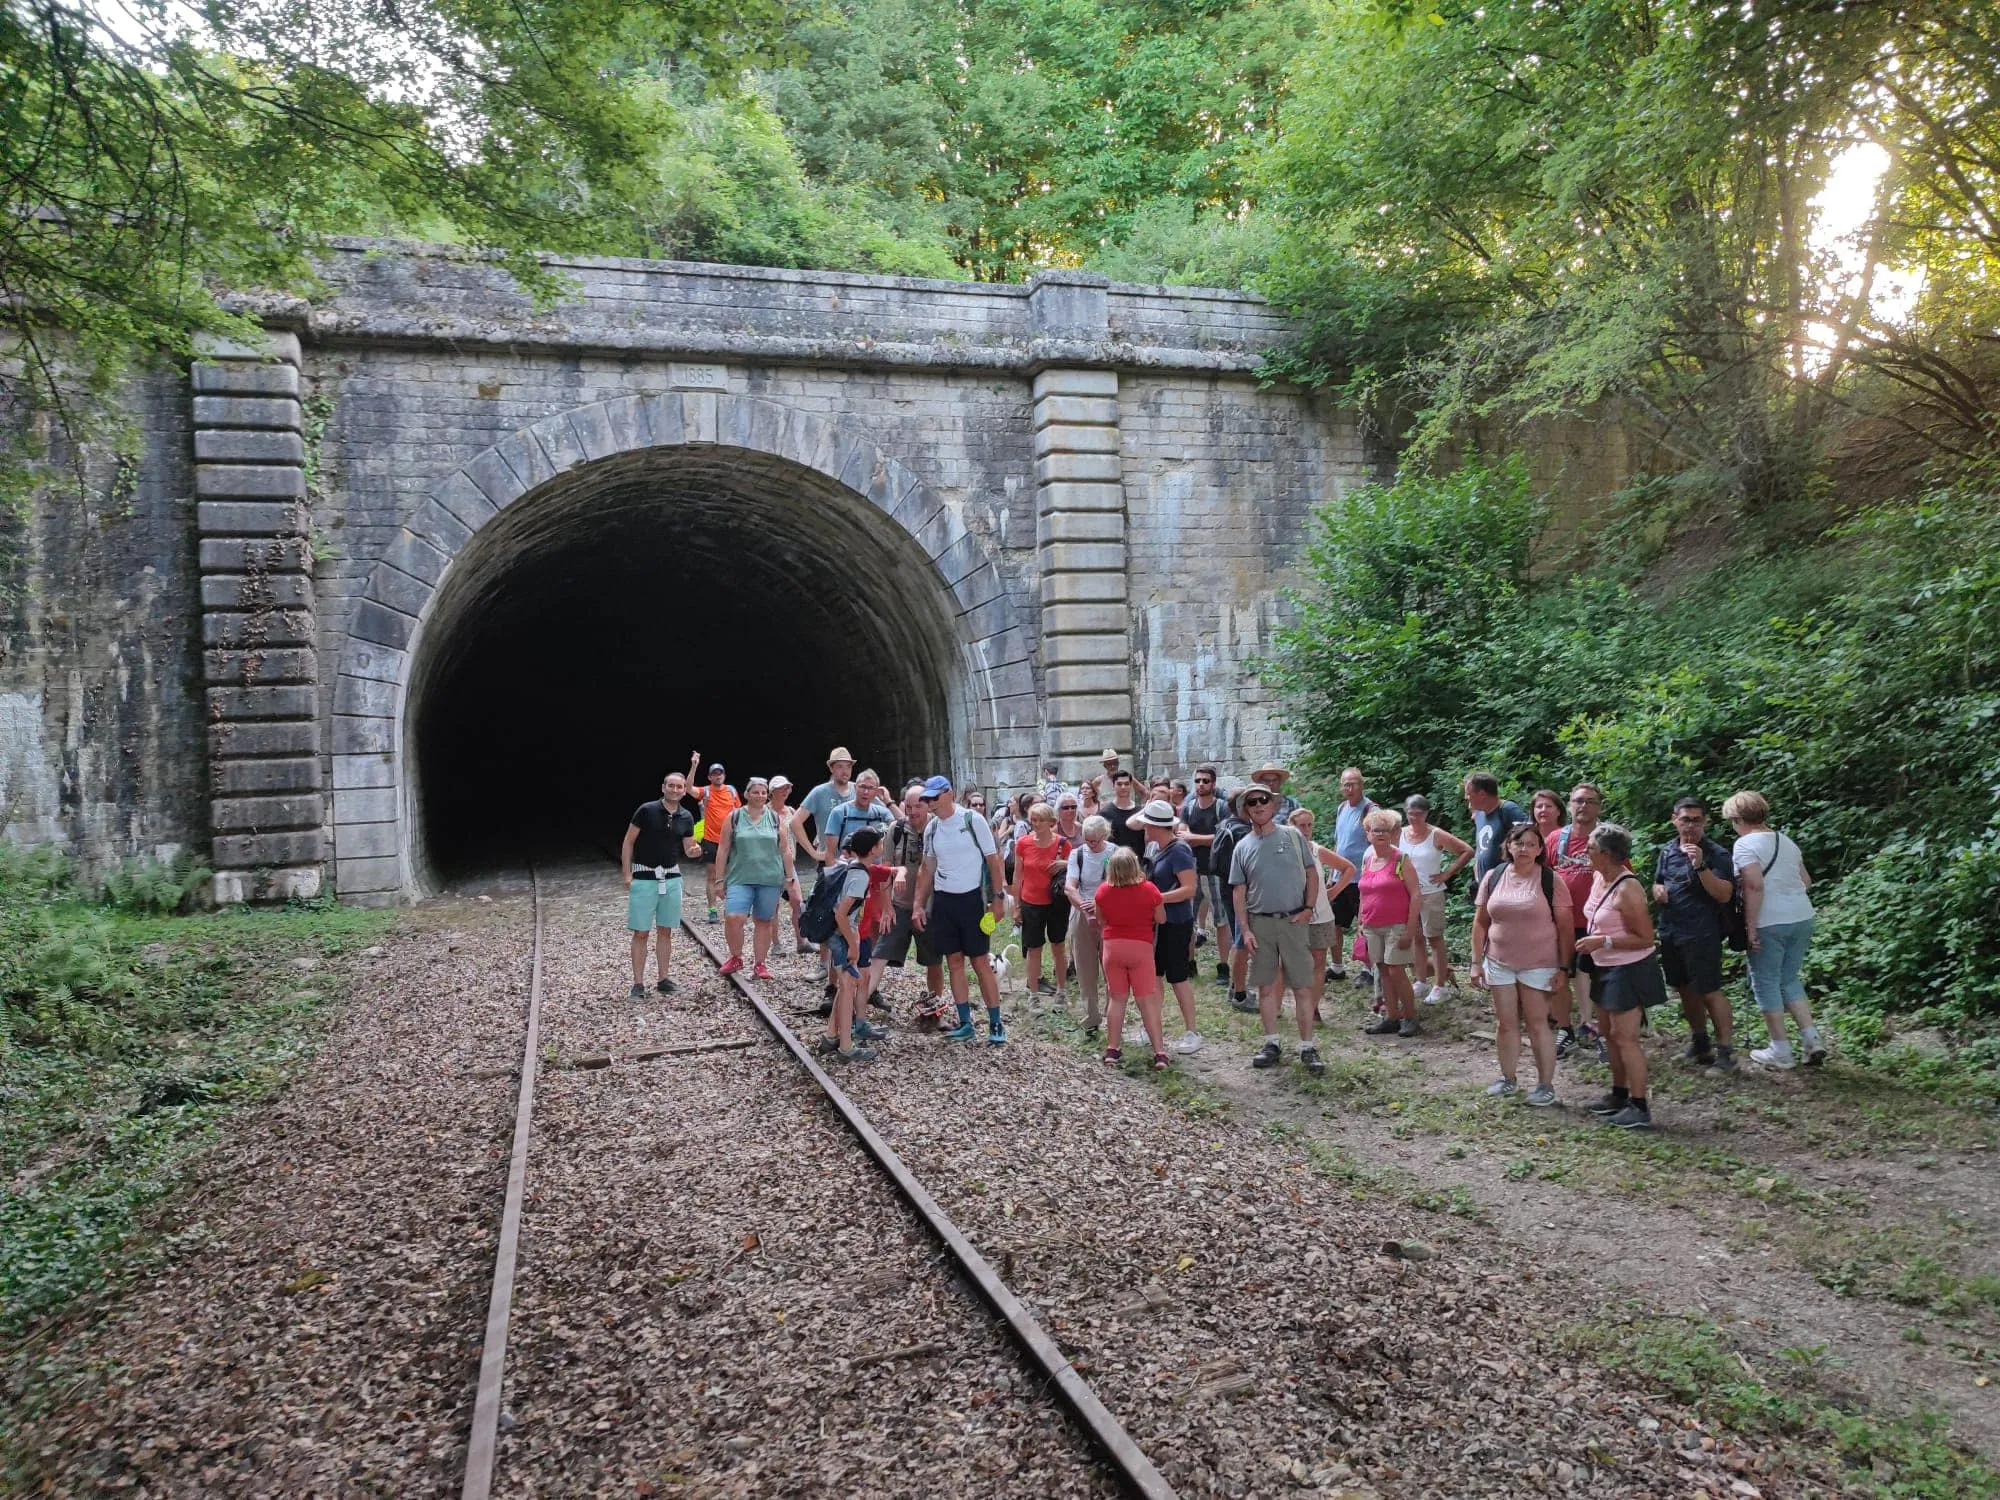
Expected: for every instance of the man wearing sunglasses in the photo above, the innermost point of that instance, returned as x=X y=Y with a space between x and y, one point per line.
x=718 y=801
x=1201 y=815
x=1276 y=881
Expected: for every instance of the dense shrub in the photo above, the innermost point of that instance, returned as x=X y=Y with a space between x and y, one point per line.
x=158 y=887
x=1856 y=683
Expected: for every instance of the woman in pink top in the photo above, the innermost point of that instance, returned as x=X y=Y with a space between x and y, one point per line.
x=1522 y=930
x=1391 y=922
x=1620 y=944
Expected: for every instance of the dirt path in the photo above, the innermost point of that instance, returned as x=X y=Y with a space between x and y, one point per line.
x=1755 y=1191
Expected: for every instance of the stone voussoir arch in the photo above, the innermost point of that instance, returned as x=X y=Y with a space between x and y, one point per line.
x=371 y=813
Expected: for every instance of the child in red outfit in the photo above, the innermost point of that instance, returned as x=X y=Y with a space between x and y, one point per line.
x=1129 y=906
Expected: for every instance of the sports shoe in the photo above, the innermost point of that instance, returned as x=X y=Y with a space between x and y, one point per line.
x=1421 y=988
x=731 y=966
x=1222 y=972
x=1541 y=1096
x=1045 y=987
x=1502 y=1088
x=827 y=1044
x=1161 y=1062
x=876 y=1002
x=1240 y=1000
x=1699 y=1050
x=996 y=1033
x=712 y=918
x=1435 y=994
x=858 y=1055
x=667 y=987
x=760 y=971
x=1565 y=1042
x=1267 y=1056
x=1380 y=1026
x=1309 y=1059
x=1335 y=974
x=1364 y=977
x=1815 y=1054
x=831 y=989
x=1190 y=1042
x=1113 y=1057
x=638 y=992
x=1779 y=1056
x=802 y=947
x=1725 y=1060
x=1607 y=1106
x=863 y=1031
x=1409 y=1028
x=1632 y=1117
x=963 y=1032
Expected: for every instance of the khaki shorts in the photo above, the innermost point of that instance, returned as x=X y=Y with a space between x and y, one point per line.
x=1388 y=945
x=1281 y=944
x=1433 y=914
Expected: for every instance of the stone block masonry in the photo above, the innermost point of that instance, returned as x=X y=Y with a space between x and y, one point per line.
x=268 y=813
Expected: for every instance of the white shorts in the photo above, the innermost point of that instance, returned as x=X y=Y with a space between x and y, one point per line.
x=1534 y=979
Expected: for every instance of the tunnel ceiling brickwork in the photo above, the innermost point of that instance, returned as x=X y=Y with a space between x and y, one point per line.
x=1024 y=521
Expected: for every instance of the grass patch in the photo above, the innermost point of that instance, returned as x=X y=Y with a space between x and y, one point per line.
x=124 y=1040
x=1910 y=1458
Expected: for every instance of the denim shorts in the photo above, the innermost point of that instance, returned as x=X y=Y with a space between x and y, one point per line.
x=837 y=950
x=759 y=901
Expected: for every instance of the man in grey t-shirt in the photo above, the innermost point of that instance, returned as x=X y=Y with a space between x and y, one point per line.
x=1275 y=884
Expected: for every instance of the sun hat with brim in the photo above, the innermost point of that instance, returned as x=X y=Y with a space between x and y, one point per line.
x=1269 y=768
x=778 y=781
x=1158 y=814
x=840 y=752
x=1109 y=755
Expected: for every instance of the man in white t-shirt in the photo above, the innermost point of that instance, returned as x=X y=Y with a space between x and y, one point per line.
x=959 y=852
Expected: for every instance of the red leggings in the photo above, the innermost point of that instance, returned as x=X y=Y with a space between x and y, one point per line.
x=1128 y=969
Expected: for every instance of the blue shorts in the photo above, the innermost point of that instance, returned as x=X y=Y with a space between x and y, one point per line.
x=653 y=903
x=837 y=948
x=759 y=901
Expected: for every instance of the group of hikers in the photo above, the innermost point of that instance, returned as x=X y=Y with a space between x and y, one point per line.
x=1117 y=883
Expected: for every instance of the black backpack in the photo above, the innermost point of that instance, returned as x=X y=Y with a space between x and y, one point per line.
x=816 y=922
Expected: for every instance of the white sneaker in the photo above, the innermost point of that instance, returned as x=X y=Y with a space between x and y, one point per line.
x=1778 y=1055
x=1421 y=988
x=1190 y=1042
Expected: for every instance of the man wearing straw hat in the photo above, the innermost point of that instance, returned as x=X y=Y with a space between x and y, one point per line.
x=817 y=809
x=1273 y=777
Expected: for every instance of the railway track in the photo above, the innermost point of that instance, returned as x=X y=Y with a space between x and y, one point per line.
x=1048 y=1370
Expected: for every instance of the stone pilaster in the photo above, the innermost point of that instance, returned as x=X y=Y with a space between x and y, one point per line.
x=1080 y=540
x=258 y=626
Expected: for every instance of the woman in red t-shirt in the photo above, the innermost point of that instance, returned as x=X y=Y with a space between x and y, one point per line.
x=1039 y=912
x=1129 y=906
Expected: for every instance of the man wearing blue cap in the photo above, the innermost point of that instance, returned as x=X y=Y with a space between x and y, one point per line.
x=958 y=852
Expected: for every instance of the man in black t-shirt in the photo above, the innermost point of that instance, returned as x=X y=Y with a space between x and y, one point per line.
x=1201 y=816
x=1694 y=882
x=659 y=837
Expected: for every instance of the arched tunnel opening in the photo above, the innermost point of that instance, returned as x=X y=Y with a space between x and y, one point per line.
x=604 y=627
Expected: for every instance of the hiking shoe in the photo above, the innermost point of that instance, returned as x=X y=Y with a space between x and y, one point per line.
x=878 y=1003
x=1565 y=1042
x=996 y=1033
x=1161 y=1062
x=1409 y=1028
x=1045 y=987
x=824 y=1008
x=1632 y=1117
x=667 y=987
x=1222 y=972
x=864 y=1031
x=963 y=1032
x=731 y=966
x=1541 y=1096
x=1190 y=1042
x=1267 y=1056
x=712 y=918
x=1502 y=1089
x=1772 y=1057
x=1113 y=1057
x=827 y=1044
x=1815 y=1054
x=1240 y=1000
x=1364 y=977
x=858 y=1055
x=1698 y=1050
x=1336 y=975
x=1725 y=1061
x=1607 y=1106
x=1380 y=1026
x=760 y=971
x=1309 y=1057
x=638 y=992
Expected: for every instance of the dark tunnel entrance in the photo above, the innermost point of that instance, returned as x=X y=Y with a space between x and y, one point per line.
x=602 y=628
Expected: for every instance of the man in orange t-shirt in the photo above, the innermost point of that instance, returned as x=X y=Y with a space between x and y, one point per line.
x=718 y=801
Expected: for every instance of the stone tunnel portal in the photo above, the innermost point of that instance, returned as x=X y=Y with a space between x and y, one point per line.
x=607 y=624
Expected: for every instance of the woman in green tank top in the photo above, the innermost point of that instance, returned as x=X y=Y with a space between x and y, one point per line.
x=754 y=862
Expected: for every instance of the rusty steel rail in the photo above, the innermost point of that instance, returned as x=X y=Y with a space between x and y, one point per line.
x=479 y=1453
x=1124 y=1455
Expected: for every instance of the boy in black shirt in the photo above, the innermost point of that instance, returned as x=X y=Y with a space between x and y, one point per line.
x=661 y=834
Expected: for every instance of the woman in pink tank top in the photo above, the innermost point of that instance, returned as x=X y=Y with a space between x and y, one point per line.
x=1620 y=944
x=1391 y=919
x=1521 y=936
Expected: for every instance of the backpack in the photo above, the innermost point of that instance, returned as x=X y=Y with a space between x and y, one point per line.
x=1548 y=886
x=1735 y=924
x=816 y=923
